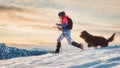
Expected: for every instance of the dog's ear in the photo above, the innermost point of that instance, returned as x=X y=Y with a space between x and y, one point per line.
x=84 y=31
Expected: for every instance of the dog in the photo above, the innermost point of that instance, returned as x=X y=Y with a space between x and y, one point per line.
x=95 y=41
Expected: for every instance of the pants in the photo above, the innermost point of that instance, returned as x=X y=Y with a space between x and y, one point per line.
x=65 y=34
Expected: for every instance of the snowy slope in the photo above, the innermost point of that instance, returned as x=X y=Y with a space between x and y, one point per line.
x=108 y=57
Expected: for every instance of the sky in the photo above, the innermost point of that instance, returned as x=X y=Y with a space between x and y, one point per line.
x=34 y=19
x=102 y=11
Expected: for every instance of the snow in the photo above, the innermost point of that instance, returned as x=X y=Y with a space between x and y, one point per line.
x=12 y=52
x=108 y=57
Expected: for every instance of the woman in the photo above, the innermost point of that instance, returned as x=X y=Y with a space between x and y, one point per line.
x=65 y=32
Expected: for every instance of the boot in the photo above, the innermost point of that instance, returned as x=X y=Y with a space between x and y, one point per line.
x=58 y=47
x=77 y=45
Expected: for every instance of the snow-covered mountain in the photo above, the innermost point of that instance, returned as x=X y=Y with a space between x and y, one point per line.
x=12 y=52
x=108 y=57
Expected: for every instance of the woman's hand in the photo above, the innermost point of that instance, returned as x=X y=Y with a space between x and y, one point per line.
x=59 y=28
x=56 y=24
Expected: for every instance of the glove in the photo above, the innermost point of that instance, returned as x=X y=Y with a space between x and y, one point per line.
x=59 y=28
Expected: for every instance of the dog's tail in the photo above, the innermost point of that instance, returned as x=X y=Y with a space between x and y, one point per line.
x=111 y=38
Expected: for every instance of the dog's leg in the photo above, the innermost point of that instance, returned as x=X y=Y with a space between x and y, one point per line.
x=89 y=45
x=104 y=45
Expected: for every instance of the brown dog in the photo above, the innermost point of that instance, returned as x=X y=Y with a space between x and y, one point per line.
x=96 y=40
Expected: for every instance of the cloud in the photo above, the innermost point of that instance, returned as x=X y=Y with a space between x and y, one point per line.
x=97 y=11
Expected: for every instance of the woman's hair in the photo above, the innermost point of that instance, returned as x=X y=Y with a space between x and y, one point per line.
x=62 y=14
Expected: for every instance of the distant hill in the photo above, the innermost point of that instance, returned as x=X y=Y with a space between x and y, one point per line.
x=12 y=52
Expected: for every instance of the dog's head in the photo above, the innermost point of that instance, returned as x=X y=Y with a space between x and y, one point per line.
x=84 y=34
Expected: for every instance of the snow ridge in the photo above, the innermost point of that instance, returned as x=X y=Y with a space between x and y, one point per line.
x=11 y=52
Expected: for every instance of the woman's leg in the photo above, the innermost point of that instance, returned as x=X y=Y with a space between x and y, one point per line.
x=68 y=37
x=59 y=43
x=60 y=37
